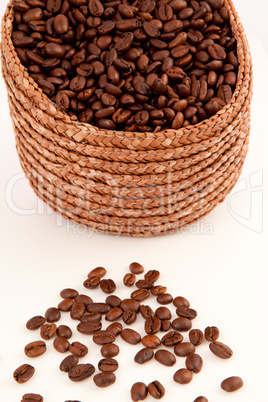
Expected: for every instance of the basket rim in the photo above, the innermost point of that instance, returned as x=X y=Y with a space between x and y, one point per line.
x=168 y=134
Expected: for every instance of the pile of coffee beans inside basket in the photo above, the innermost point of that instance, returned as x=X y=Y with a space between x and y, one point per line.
x=89 y=315
x=140 y=65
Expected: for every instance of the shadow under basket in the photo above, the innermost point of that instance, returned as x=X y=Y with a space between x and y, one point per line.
x=133 y=184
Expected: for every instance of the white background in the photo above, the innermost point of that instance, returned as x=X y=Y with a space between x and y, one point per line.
x=219 y=264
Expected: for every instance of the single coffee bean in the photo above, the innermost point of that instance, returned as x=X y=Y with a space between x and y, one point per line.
x=139 y=391
x=220 y=350
x=212 y=333
x=68 y=293
x=164 y=298
x=163 y=313
x=181 y=324
x=104 y=380
x=64 y=331
x=136 y=268
x=68 y=363
x=115 y=328
x=23 y=373
x=62 y=101
x=152 y=275
x=184 y=349
x=109 y=350
x=143 y=284
x=183 y=376
x=196 y=336
x=129 y=317
x=78 y=349
x=130 y=336
x=108 y=365
x=130 y=304
x=89 y=328
x=61 y=24
x=180 y=301
x=35 y=322
x=35 y=349
x=84 y=299
x=201 y=399
x=172 y=338
x=232 y=384
x=114 y=314
x=165 y=325
x=52 y=314
x=152 y=325
x=156 y=390
x=99 y=271
x=113 y=301
x=61 y=344
x=194 y=362
x=80 y=372
x=47 y=331
x=151 y=341
x=129 y=280
x=186 y=312
x=144 y=355
x=146 y=311
x=158 y=290
x=140 y=294
x=102 y=308
x=107 y=285
x=92 y=282
x=32 y=398
x=165 y=357
x=103 y=337
x=77 y=310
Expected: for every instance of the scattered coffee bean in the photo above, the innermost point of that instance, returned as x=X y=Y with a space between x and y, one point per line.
x=107 y=285
x=84 y=299
x=183 y=376
x=201 y=399
x=32 y=398
x=92 y=282
x=136 y=268
x=78 y=349
x=156 y=390
x=103 y=337
x=89 y=328
x=139 y=391
x=220 y=350
x=130 y=304
x=194 y=362
x=64 y=331
x=180 y=301
x=152 y=325
x=109 y=350
x=164 y=298
x=23 y=373
x=102 y=308
x=129 y=280
x=186 y=312
x=103 y=380
x=52 y=314
x=163 y=313
x=108 y=365
x=35 y=322
x=114 y=314
x=113 y=301
x=144 y=355
x=151 y=341
x=196 y=336
x=61 y=344
x=129 y=317
x=100 y=272
x=184 y=349
x=69 y=293
x=47 y=331
x=65 y=305
x=165 y=357
x=115 y=328
x=130 y=336
x=212 y=334
x=35 y=349
x=152 y=275
x=80 y=372
x=181 y=324
x=172 y=338
x=69 y=362
x=232 y=384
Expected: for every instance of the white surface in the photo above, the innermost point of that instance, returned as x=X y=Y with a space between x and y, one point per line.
x=219 y=264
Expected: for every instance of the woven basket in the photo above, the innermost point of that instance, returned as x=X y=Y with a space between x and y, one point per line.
x=135 y=184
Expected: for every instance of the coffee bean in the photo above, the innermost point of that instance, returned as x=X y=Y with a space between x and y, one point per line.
x=181 y=324
x=165 y=325
x=61 y=24
x=183 y=376
x=152 y=275
x=68 y=363
x=212 y=333
x=172 y=338
x=130 y=304
x=35 y=322
x=78 y=349
x=186 y=312
x=107 y=285
x=201 y=399
x=151 y=341
x=89 y=328
x=220 y=350
x=165 y=357
x=102 y=308
x=95 y=7
x=47 y=331
x=99 y=272
x=109 y=350
x=129 y=280
x=184 y=349
x=64 y=331
x=129 y=317
x=115 y=328
x=130 y=336
x=69 y=293
x=144 y=355
x=196 y=336
x=52 y=314
x=164 y=298
x=108 y=365
x=77 y=310
x=232 y=384
x=103 y=380
x=114 y=314
x=158 y=290
x=136 y=268
x=113 y=301
x=216 y=52
x=140 y=294
x=80 y=372
x=152 y=325
x=61 y=344
x=32 y=398
x=156 y=390
x=23 y=373
x=163 y=313
x=103 y=337
x=92 y=282
x=194 y=362
x=143 y=284
x=35 y=349
x=139 y=391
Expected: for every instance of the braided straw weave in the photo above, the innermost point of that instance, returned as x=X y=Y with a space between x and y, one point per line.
x=135 y=184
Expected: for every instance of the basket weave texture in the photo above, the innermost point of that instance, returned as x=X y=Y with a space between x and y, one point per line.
x=135 y=184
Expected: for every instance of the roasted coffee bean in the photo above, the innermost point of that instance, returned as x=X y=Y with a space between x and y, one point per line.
x=47 y=331
x=225 y=93
x=23 y=373
x=172 y=338
x=165 y=357
x=129 y=317
x=156 y=390
x=232 y=384
x=107 y=285
x=102 y=308
x=152 y=275
x=143 y=284
x=103 y=337
x=165 y=325
x=129 y=280
x=140 y=294
x=113 y=301
x=114 y=314
x=68 y=293
x=181 y=324
x=196 y=336
x=52 y=314
x=63 y=101
x=186 y=312
x=146 y=311
x=68 y=363
x=201 y=399
x=130 y=304
x=194 y=363
x=152 y=325
x=144 y=355
x=35 y=349
x=91 y=317
x=139 y=391
x=163 y=313
x=80 y=372
x=220 y=350
x=84 y=299
x=66 y=304
x=130 y=336
x=89 y=328
x=180 y=301
x=115 y=328
x=151 y=341
x=212 y=333
x=24 y=41
x=164 y=298
x=99 y=271
x=35 y=322
x=183 y=376
x=77 y=310
x=32 y=398
x=109 y=350
x=61 y=344
x=108 y=365
x=184 y=349
x=61 y=24
x=103 y=380
x=92 y=282
x=136 y=268
x=158 y=290
x=78 y=349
